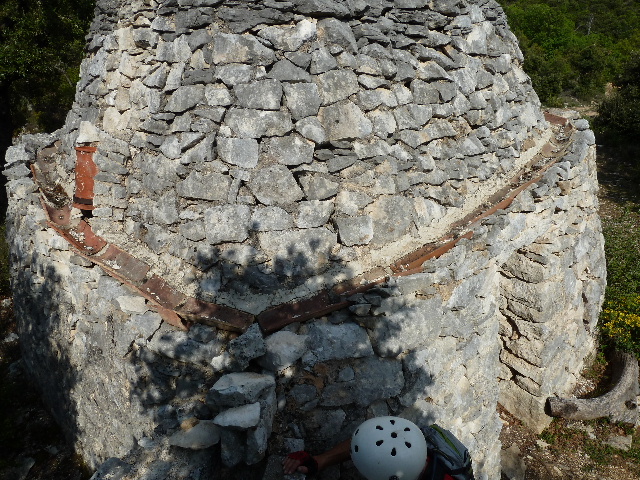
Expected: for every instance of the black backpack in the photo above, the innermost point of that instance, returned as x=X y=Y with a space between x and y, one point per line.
x=448 y=455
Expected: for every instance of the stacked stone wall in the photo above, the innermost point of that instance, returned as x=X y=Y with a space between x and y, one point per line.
x=256 y=153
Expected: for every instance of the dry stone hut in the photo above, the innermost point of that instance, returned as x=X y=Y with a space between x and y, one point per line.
x=264 y=222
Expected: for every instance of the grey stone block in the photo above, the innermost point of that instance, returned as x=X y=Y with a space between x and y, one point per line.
x=205 y=186
x=290 y=150
x=286 y=71
x=237 y=389
x=344 y=121
x=248 y=123
x=227 y=223
x=302 y=99
x=270 y=218
x=184 y=98
x=355 y=230
x=336 y=85
x=262 y=94
x=242 y=152
x=275 y=185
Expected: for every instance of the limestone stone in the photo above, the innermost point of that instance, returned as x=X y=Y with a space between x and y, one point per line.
x=302 y=99
x=227 y=223
x=311 y=129
x=203 y=435
x=290 y=39
x=249 y=123
x=270 y=218
x=336 y=342
x=283 y=350
x=334 y=31
x=206 y=186
x=240 y=418
x=242 y=152
x=389 y=381
x=392 y=216
x=234 y=74
x=289 y=150
x=275 y=185
x=313 y=213
x=355 y=230
x=322 y=61
x=318 y=187
x=232 y=48
x=336 y=85
x=217 y=95
x=298 y=252
x=344 y=121
x=177 y=345
x=243 y=388
x=262 y=94
x=286 y=71
x=184 y=98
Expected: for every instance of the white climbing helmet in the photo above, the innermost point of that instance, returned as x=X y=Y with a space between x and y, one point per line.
x=389 y=448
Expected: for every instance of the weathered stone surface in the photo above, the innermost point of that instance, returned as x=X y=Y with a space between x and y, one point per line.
x=184 y=98
x=240 y=389
x=270 y=218
x=231 y=48
x=355 y=230
x=298 y=252
x=361 y=390
x=206 y=186
x=336 y=342
x=336 y=85
x=203 y=435
x=392 y=216
x=227 y=223
x=242 y=152
x=313 y=213
x=262 y=94
x=240 y=418
x=344 y=121
x=319 y=187
x=289 y=150
x=290 y=39
x=286 y=71
x=302 y=99
x=283 y=350
x=249 y=123
x=337 y=32
x=275 y=185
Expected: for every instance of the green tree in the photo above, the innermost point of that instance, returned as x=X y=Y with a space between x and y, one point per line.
x=41 y=46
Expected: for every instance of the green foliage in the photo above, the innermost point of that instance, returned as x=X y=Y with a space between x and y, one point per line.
x=619 y=114
x=41 y=46
x=621 y=323
x=574 y=47
x=620 y=318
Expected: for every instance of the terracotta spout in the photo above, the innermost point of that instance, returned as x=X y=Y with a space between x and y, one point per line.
x=86 y=170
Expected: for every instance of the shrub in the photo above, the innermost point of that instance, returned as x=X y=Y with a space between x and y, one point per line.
x=621 y=323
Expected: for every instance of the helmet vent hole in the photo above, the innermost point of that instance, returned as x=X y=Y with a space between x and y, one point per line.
x=393 y=452
x=355 y=448
x=407 y=444
x=378 y=427
x=407 y=429
x=393 y=422
x=394 y=434
x=379 y=442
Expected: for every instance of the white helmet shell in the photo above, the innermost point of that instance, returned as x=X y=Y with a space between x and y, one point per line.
x=386 y=447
